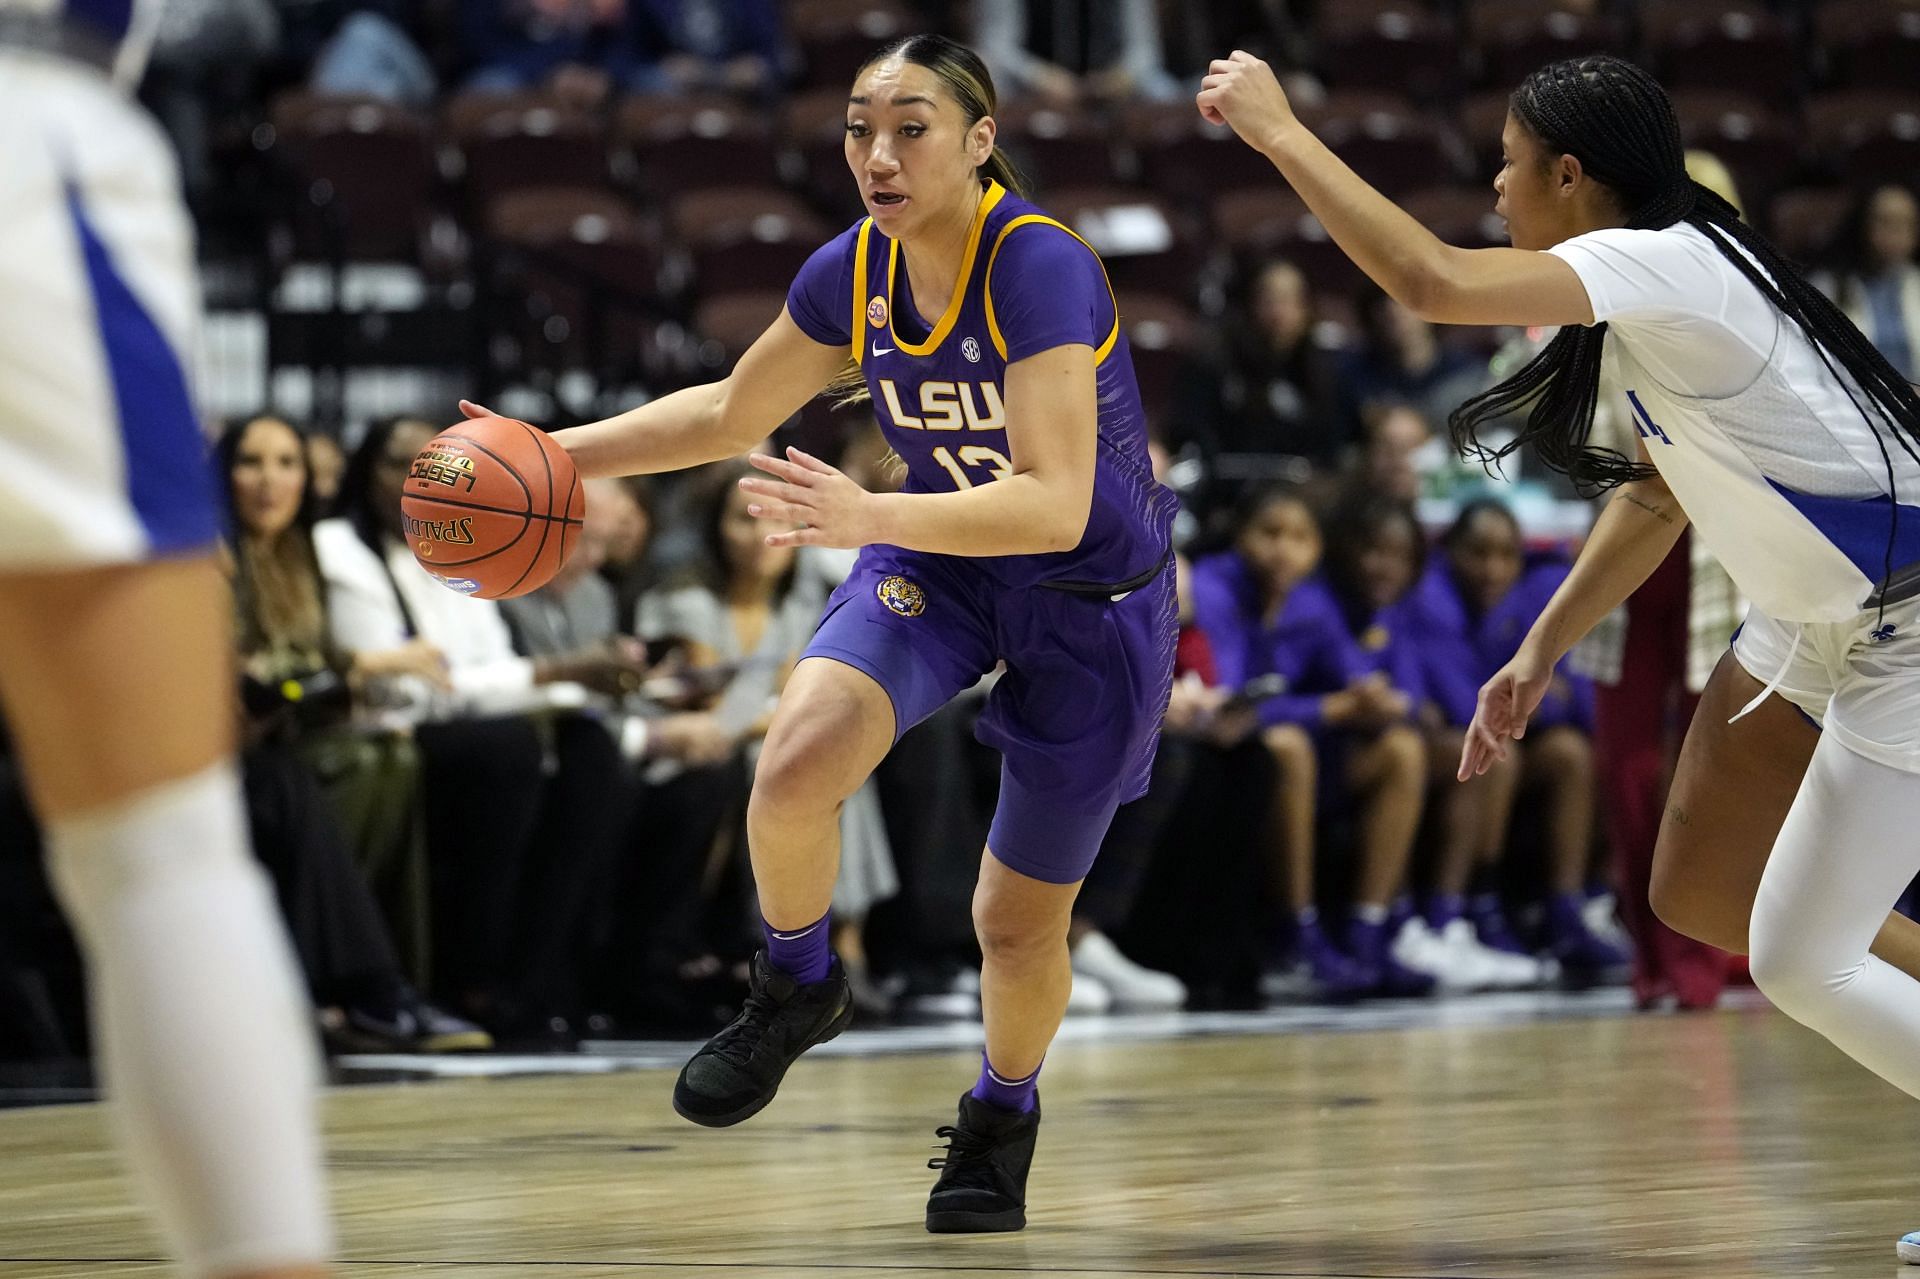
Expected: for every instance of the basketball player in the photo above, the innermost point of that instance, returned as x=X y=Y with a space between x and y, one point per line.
x=1767 y=420
x=1030 y=531
x=116 y=666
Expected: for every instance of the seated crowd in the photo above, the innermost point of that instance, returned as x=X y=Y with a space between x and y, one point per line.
x=523 y=822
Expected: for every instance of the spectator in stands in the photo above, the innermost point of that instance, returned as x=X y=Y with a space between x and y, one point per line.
x=1397 y=446
x=520 y=834
x=326 y=462
x=365 y=50
x=1473 y=607
x=627 y=565
x=682 y=783
x=207 y=56
x=1266 y=614
x=581 y=49
x=1401 y=357
x=310 y=838
x=1200 y=721
x=1874 y=276
x=1065 y=52
x=744 y=616
x=1261 y=384
x=1376 y=553
x=692 y=46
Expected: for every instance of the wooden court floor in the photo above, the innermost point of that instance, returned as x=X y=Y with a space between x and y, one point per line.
x=1734 y=1144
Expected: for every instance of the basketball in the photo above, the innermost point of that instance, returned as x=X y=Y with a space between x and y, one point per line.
x=493 y=507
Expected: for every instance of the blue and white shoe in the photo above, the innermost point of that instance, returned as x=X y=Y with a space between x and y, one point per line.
x=1908 y=1249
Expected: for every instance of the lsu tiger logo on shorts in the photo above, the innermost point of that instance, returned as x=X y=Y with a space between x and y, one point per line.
x=877 y=311
x=902 y=596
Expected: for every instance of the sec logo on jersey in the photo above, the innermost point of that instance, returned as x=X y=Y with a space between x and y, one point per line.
x=902 y=596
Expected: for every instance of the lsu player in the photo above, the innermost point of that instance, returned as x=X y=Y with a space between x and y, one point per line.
x=1030 y=531
x=116 y=656
x=1767 y=421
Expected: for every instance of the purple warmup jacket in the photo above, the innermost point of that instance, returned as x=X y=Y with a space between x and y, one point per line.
x=1460 y=651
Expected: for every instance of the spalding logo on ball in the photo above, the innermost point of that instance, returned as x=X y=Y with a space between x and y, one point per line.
x=493 y=507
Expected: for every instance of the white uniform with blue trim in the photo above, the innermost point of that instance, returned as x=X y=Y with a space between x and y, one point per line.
x=1778 y=473
x=101 y=456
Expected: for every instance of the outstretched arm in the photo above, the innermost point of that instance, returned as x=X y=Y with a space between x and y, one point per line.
x=1435 y=280
x=1629 y=540
x=781 y=371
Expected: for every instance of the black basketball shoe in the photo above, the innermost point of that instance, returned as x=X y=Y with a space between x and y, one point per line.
x=740 y=1069
x=983 y=1179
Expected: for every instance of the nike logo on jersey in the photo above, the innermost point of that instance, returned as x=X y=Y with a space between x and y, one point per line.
x=882 y=350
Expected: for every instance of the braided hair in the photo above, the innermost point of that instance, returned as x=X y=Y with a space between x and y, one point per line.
x=1618 y=122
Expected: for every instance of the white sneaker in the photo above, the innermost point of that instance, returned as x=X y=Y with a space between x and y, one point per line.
x=1601 y=915
x=1501 y=969
x=1088 y=997
x=1908 y=1249
x=1131 y=985
x=1458 y=961
x=1453 y=965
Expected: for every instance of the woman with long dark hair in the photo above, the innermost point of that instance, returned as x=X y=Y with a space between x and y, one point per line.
x=1767 y=420
x=331 y=803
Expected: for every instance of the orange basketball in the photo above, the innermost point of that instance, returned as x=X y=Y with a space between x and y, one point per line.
x=493 y=507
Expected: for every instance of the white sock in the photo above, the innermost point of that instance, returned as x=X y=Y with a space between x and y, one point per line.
x=204 y=1038
x=1845 y=854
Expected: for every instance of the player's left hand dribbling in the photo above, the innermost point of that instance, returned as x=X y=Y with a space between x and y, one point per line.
x=1242 y=91
x=829 y=508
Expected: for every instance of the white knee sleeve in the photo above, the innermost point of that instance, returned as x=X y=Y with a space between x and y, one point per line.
x=204 y=1038
x=1843 y=857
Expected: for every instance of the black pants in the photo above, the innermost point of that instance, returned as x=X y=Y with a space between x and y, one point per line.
x=1112 y=887
x=43 y=1011
x=522 y=819
x=338 y=932
x=669 y=903
x=1197 y=911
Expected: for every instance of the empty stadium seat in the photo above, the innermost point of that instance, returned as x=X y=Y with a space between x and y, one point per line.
x=363 y=171
x=681 y=143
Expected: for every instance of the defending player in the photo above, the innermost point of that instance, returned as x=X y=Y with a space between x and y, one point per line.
x=116 y=656
x=1767 y=420
x=1030 y=531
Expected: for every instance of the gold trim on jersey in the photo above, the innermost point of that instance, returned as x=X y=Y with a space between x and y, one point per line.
x=991 y=197
x=993 y=323
x=860 y=292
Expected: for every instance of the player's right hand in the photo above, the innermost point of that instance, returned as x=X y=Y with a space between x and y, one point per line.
x=1242 y=91
x=1506 y=702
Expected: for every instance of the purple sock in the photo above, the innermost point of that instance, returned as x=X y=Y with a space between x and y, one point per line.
x=1016 y=1095
x=800 y=953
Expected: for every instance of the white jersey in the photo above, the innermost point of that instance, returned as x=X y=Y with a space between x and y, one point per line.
x=101 y=455
x=1776 y=468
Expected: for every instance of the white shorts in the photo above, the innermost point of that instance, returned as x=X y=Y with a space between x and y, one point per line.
x=1859 y=679
x=102 y=459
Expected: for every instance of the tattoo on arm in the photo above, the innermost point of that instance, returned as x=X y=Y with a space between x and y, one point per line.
x=1678 y=814
x=1658 y=512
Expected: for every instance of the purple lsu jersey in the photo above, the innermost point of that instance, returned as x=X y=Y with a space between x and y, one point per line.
x=1027 y=285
